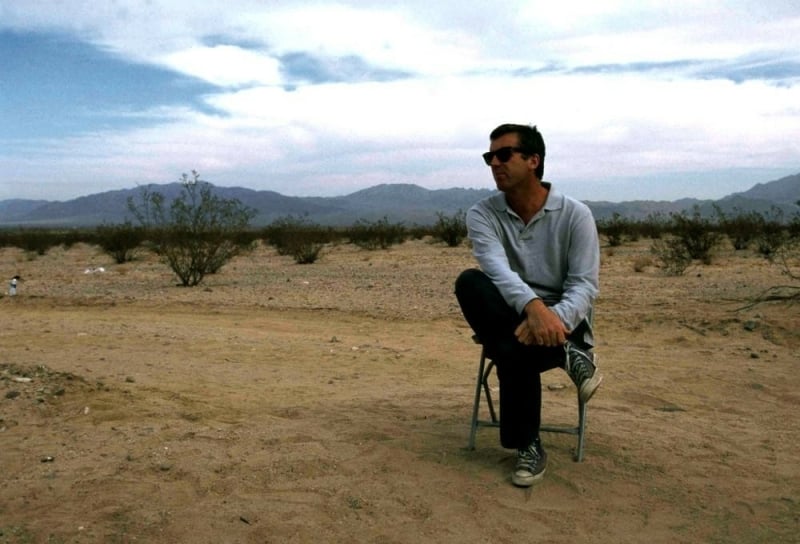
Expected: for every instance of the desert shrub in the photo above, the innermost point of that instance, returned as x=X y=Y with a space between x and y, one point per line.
x=673 y=255
x=379 y=234
x=39 y=240
x=297 y=237
x=695 y=233
x=793 y=228
x=741 y=228
x=770 y=240
x=793 y=224
x=614 y=229
x=450 y=229
x=654 y=226
x=196 y=235
x=307 y=253
x=641 y=262
x=34 y=241
x=419 y=232
x=789 y=254
x=772 y=234
x=70 y=237
x=119 y=241
x=632 y=235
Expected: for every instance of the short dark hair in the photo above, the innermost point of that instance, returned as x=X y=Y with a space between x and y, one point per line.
x=530 y=141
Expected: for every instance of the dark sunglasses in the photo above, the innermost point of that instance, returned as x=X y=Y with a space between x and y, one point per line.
x=503 y=154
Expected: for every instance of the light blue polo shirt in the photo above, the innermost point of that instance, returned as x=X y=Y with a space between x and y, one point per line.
x=555 y=257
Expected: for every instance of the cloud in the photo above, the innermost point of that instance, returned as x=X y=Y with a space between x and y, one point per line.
x=327 y=97
x=225 y=65
x=778 y=69
x=300 y=68
x=308 y=140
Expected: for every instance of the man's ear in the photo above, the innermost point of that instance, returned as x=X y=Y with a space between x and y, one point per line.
x=533 y=162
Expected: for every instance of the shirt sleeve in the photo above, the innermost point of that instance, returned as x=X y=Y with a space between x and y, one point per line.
x=485 y=233
x=581 y=285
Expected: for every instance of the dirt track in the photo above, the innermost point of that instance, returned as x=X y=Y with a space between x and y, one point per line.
x=330 y=403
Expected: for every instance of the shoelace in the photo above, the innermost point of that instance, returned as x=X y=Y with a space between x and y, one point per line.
x=578 y=365
x=581 y=371
x=528 y=458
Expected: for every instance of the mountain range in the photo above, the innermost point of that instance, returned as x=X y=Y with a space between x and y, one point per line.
x=410 y=204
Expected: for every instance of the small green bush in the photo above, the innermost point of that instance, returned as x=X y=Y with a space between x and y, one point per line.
x=34 y=241
x=654 y=226
x=297 y=237
x=741 y=228
x=197 y=234
x=772 y=234
x=379 y=234
x=671 y=252
x=696 y=234
x=451 y=229
x=614 y=229
x=120 y=241
x=794 y=227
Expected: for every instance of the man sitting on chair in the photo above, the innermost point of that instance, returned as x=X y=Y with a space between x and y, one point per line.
x=530 y=304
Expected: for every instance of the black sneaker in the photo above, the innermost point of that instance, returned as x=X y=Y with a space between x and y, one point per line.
x=531 y=464
x=581 y=365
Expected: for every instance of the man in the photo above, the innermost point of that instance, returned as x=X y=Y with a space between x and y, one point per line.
x=531 y=301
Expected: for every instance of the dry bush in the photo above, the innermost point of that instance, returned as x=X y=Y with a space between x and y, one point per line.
x=695 y=234
x=120 y=241
x=641 y=262
x=197 y=233
x=298 y=237
x=451 y=230
x=672 y=254
x=373 y=235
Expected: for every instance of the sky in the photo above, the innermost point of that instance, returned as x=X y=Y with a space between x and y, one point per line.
x=636 y=99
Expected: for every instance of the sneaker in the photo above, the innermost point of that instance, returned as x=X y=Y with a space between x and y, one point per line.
x=531 y=463
x=581 y=365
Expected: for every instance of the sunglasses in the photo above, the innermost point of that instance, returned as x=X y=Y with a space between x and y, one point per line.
x=503 y=154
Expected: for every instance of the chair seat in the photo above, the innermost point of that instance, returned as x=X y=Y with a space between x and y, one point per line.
x=482 y=390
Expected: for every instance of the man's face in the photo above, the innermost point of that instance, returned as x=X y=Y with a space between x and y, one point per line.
x=517 y=170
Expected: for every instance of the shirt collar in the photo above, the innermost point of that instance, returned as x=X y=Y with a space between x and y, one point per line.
x=555 y=200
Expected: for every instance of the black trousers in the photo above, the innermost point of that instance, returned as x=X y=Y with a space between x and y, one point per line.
x=518 y=366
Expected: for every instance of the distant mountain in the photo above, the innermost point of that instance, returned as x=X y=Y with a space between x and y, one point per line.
x=18 y=207
x=407 y=203
x=641 y=209
x=782 y=191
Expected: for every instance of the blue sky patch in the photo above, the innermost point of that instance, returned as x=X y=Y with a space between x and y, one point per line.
x=62 y=87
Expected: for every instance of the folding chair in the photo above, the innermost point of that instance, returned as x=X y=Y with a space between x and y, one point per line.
x=482 y=389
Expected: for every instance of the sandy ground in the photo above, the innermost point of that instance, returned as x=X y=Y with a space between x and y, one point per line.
x=330 y=403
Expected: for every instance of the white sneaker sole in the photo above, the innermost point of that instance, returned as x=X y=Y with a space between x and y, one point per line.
x=526 y=479
x=589 y=387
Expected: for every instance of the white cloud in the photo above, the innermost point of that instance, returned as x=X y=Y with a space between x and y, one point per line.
x=225 y=66
x=310 y=140
x=385 y=37
x=430 y=127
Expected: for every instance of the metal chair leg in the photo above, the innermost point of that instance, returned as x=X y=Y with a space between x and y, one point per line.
x=482 y=387
x=581 y=430
x=479 y=383
x=488 y=392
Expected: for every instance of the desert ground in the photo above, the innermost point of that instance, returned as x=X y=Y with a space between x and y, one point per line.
x=330 y=402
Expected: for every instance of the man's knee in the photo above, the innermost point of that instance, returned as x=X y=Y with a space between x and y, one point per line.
x=469 y=280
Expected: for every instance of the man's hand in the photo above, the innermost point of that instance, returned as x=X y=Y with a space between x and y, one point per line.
x=541 y=327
